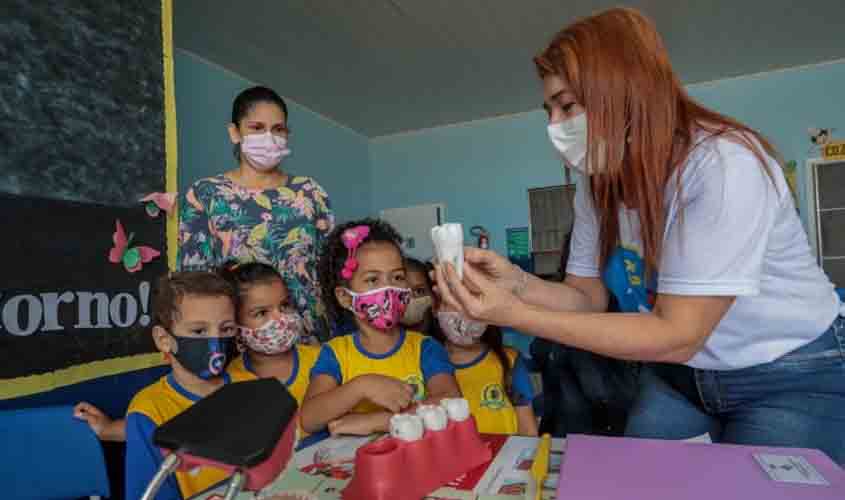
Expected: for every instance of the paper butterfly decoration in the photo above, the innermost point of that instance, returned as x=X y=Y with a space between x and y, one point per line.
x=154 y=203
x=133 y=258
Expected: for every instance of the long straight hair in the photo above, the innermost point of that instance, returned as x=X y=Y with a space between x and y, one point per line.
x=641 y=122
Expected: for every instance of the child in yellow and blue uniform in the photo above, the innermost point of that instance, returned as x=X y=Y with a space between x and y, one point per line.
x=362 y=378
x=499 y=407
x=194 y=324
x=269 y=334
x=269 y=330
x=413 y=359
x=303 y=358
x=493 y=379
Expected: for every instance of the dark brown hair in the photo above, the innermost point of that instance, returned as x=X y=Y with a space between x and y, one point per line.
x=413 y=265
x=333 y=257
x=172 y=288
x=243 y=276
x=247 y=100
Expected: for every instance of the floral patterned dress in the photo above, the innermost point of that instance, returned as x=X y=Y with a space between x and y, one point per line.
x=220 y=221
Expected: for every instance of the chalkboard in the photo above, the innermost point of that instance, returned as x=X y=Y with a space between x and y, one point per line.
x=62 y=302
x=81 y=100
x=82 y=135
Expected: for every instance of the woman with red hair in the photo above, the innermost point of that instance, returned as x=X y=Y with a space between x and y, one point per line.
x=684 y=215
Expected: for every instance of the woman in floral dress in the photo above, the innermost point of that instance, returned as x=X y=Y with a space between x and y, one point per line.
x=257 y=212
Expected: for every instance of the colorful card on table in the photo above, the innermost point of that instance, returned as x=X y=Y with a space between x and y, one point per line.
x=510 y=472
x=598 y=467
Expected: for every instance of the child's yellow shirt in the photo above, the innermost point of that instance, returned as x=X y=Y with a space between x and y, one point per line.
x=414 y=360
x=482 y=384
x=153 y=406
x=304 y=357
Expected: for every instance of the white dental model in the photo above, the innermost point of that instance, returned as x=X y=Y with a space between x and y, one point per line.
x=406 y=426
x=456 y=408
x=448 y=242
x=434 y=417
x=411 y=427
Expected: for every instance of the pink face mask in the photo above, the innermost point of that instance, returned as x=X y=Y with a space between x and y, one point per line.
x=264 y=151
x=274 y=337
x=382 y=308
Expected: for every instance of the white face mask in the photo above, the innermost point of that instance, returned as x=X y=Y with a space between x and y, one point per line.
x=415 y=312
x=569 y=137
x=460 y=330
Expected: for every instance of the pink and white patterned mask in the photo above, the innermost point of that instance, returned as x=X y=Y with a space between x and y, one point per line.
x=274 y=337
x=460 y=330
x=382 y=308
x=264 y=151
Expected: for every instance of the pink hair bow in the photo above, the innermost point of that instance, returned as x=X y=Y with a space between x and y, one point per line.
x=352 y=239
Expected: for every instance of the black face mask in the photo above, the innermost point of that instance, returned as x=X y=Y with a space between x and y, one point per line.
x=204 y=357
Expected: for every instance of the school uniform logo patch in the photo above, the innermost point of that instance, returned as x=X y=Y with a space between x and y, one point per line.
x=417 y=383
x=493 y=397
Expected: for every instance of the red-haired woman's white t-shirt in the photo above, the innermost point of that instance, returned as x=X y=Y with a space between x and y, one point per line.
x=740 y=236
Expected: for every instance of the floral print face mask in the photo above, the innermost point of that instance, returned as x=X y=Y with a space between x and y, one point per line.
x=274 y=337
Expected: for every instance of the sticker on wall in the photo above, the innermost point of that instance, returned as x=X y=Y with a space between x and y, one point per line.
x=834 y=150
x=819 y=136
x=822 y=140
x=518 y=244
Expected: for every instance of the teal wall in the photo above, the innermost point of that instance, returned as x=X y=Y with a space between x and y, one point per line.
x=482 y=169
x=783 y=105
x=333 y=154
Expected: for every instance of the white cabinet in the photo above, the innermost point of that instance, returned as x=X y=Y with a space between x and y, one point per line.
x=414 y=224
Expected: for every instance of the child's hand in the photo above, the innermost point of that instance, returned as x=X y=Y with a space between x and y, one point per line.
x=104 y=427
x=360 y=424
x=387 y=392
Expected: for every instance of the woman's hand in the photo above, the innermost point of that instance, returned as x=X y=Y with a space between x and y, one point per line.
x=499 y=270
x=478 y=296
x=389 y=393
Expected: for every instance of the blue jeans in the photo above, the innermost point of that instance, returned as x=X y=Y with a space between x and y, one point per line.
x=797 y=400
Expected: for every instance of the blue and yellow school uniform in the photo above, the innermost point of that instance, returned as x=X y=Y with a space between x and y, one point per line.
x=415 y=359
x=304 y=358
x=153 y=406
x=482 y=384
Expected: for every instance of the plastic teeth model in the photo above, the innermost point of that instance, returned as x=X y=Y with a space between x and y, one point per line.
x=406 y=426
x=448 y=242
x=413 y=461
x=434 y=417
x=456 y=408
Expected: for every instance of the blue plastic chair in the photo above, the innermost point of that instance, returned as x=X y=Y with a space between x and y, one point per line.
x=47 y=454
